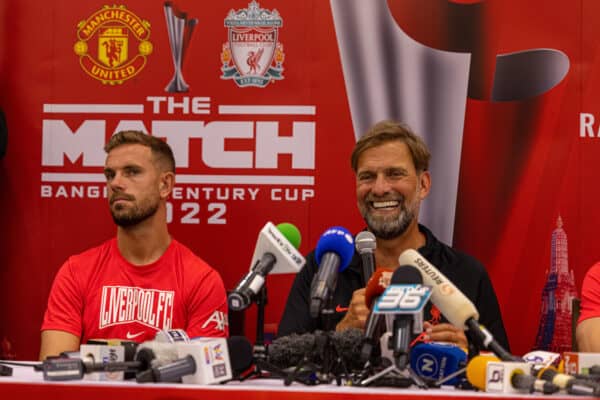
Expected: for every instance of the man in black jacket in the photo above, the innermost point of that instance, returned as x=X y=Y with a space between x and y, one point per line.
x=392 y=178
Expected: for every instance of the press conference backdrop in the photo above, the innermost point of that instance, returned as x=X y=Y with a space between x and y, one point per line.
x=262 y=103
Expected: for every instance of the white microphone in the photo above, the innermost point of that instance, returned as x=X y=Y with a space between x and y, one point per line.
x=275 y=253
x=453 y=304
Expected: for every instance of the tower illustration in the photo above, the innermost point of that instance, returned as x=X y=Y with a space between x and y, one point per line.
x=554 y=331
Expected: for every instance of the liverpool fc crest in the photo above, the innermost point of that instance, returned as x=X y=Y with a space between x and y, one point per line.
x=105 y=41
x=253 y=56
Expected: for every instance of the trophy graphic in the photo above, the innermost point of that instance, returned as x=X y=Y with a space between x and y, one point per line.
x=180 y=32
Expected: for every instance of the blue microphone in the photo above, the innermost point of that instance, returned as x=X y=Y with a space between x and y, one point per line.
x=333 y=254
x=437 y=361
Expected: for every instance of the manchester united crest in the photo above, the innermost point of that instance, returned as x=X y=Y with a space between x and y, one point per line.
x=253 y=56
x=112 y=44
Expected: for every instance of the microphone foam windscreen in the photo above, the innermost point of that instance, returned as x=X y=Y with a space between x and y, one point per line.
x=406 y=274
x=377 y=284
x=437 y=360
x=339 y=241
x=476 y=370
x=289 y=351
x=240 y=354
x=291 y=233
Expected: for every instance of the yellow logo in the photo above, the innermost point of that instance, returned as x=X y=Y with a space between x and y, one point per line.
x=105 y=41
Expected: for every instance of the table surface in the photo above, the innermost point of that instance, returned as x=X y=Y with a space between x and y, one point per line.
x=27 y=383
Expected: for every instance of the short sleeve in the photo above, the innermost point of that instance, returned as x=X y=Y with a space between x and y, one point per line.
x=65 y=303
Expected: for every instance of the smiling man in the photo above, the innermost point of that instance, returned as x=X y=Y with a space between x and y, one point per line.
x=143 y=280
x=392 y=179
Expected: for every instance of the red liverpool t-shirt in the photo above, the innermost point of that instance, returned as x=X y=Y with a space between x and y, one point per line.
x=100 y=295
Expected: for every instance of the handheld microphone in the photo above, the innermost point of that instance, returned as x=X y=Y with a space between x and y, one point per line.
x=455 y=306
x=437 y=361
x=403 y=332
x=365 y=245
x=200 y=361
x=488 y=373
x=275 y=253
x=333 y=254
x=377 y=284
x=571 y=384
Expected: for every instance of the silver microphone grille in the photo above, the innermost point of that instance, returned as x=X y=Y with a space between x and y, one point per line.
x=365 y=242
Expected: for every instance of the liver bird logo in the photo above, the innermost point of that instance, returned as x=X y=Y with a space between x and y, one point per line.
x=253 y=59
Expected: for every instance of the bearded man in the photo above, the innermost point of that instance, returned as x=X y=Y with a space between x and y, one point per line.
x=143 y=280
x=392 y=179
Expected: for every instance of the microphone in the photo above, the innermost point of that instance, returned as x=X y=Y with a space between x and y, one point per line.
x=488 y=373
x=365 y=245
x=376 y=285
x=201 y=361
x=333 y=254
x=571 y=384
x=275 y=253
x=455 y=306
x=291 y=350
x=437 y=361
x=403 y=329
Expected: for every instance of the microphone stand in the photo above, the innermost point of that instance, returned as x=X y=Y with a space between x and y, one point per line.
x=259 y=350
x=400 y=366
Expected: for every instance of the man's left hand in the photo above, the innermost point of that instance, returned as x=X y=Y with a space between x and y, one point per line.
x=445 y=332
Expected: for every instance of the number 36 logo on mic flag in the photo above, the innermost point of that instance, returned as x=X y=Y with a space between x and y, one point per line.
x=403 y=299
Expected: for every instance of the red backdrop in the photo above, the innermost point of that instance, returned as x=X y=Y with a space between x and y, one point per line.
x=523 y=161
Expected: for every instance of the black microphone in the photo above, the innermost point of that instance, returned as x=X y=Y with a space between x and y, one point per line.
x=202 y=360
x=170 y=372
x=567 y=382
x=291 y=350
x=365 y=245
x=275 y=252
x=402 y=333
x=333 y=254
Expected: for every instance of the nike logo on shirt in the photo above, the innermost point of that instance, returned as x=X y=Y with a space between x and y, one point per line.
x=339 y=308
x=130 y=336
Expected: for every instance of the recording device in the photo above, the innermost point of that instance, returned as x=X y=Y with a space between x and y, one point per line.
x=455 y=306
x=333 y=254
x=376 y=285
x=437 y=361
x=365 y=246
x=275 y=253
x=488 y=373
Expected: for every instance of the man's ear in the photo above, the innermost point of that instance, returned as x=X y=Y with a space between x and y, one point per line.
x=424 y=183
x=166 y=184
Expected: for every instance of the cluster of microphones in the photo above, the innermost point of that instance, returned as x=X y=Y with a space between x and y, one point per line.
x=386 y=353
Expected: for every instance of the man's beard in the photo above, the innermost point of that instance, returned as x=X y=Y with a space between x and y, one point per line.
x=126 y=218
x=388 y=227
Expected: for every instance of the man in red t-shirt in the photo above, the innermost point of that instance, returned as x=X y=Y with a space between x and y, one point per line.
x=588 y=325
x=143 y=280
